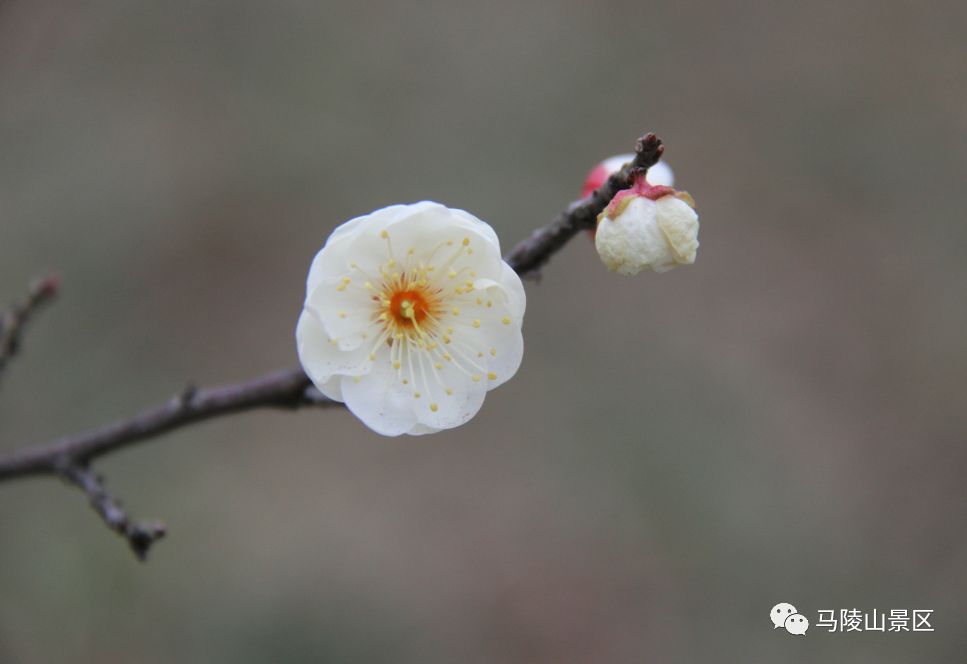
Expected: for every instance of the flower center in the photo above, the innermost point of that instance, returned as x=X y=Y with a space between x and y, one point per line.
x=408 y=307
x=416 y=312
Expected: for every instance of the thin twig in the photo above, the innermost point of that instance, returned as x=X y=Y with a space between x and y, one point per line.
x=14 y=320
x=140 y=536
x=531 y=254
x=70 y=457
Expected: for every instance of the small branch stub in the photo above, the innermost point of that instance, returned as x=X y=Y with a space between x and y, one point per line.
x=14 y=320
x=140 y=536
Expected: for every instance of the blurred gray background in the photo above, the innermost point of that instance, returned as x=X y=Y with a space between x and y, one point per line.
x=783 y=421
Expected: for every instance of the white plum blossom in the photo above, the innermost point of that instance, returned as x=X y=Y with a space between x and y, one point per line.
x=659 y=174
x=647 y=227
x=411 y=316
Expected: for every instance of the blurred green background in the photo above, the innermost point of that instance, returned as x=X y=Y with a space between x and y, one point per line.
x=784 y=421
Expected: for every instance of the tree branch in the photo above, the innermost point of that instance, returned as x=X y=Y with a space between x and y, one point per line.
x=139 y=536
x=289 y=389
x=70 y=456
x=13 y=321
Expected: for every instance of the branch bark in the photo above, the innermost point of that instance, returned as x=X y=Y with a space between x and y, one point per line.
x=70 y=457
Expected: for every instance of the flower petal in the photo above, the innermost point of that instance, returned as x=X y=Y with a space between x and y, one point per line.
x=380 y=400
x=333 y=260
x=660 y=175
x=322 y=359
x=631 y=241
x=346 y=311
x=679 y=224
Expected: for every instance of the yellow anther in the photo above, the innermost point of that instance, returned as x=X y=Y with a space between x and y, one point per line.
x=476 y=378
x=396 y=365
x=505 y=320
x=449 y=392
x=492 y=376
x=384 y=234
x=490 y=303
x=493 y=351
x=452 y=273
x=466 y=241
x=416 y=395
x=372 y=357
x=434 y=407
x=455 y=311
x=437 y=366
x=479 y=300
x=368 y=286
x=449 y=330
x=447 y=358
x=476 y=322
x=446 y=340
x=406 y=382
x=346 y=280
x=342 y=314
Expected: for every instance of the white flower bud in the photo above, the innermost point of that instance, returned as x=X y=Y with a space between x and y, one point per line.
x=647 y=227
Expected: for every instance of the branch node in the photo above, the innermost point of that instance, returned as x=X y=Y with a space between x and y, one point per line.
x=184 y=399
